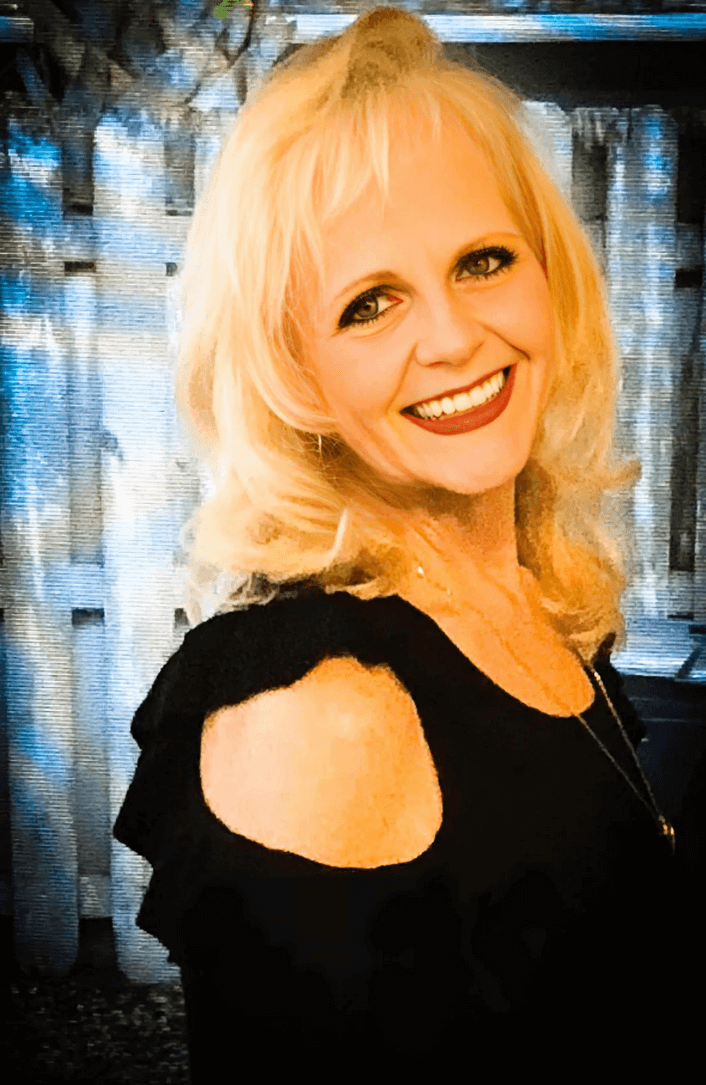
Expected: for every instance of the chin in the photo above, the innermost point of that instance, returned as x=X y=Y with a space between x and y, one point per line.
x=413 y=480
x=473 y=481
x=474 y=488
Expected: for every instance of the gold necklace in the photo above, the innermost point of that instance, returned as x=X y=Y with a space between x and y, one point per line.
x=666 y=830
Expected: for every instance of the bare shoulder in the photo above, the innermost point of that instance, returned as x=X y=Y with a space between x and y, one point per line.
x=334 y=767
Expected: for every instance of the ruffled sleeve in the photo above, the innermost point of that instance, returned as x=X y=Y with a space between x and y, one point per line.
x=164 y=817
x=141 y=824
x=224 y=660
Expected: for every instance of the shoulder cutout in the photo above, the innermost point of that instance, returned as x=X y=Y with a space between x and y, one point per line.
x=334 y=767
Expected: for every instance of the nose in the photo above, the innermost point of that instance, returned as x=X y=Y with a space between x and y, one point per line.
x=449 y=332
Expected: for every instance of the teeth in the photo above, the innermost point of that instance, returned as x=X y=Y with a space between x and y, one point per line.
x=462 y=401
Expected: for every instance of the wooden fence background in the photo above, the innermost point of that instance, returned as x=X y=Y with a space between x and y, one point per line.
x=98 y=480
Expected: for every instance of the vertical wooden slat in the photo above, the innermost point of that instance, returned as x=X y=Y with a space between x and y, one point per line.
x=85 y=416
x=190 y=490
x=179 y=164
x=139 y=478
x=551 y=132
x=5 y=828
x=93 y=825
x=197 y=484
x=36 y=549
x=640 y=250
x=620 y=266
x=596 y=132
x=685 y=433
x=212 y=131
x=84 y=412
x=700 y=541
x=589 y=179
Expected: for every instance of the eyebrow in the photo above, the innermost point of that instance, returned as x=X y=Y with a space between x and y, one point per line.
x=380 y=276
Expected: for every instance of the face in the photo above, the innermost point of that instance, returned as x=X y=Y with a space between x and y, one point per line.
x=425 y=297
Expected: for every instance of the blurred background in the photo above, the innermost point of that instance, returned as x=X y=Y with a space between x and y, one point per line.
x=111 y=115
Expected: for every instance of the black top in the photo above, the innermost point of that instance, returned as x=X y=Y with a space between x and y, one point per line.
x=547 y=896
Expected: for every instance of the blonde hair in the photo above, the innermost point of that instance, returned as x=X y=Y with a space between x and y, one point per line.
x=290 y=500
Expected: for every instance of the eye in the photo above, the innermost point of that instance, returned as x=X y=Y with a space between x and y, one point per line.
x=360 y=303
x=505 y=259
x=482 y=259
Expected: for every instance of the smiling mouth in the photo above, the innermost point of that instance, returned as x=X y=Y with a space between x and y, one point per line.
x=463 y=400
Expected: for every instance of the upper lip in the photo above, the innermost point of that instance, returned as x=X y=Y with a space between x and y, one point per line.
x=455 y=391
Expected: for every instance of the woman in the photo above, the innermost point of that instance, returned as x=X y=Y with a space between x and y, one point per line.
x=390 y=792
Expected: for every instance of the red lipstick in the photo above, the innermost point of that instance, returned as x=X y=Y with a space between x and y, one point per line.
x=449 y=425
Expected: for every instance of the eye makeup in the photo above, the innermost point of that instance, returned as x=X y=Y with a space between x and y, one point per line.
x=506 y=258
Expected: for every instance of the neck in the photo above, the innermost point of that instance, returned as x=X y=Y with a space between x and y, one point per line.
x=468 y=540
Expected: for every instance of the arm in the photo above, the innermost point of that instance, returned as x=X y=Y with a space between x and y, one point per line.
x=334 y=768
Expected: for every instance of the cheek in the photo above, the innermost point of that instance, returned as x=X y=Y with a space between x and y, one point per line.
x=358 y=389
x=541 y=314
x=528 y=309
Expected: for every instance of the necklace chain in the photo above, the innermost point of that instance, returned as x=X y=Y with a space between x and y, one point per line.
x=665 y=828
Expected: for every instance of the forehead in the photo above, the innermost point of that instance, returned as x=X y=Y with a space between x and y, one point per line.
x=428 y=173
x=441 y=194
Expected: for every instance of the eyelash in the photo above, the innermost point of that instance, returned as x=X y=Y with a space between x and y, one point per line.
x=507 y=256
